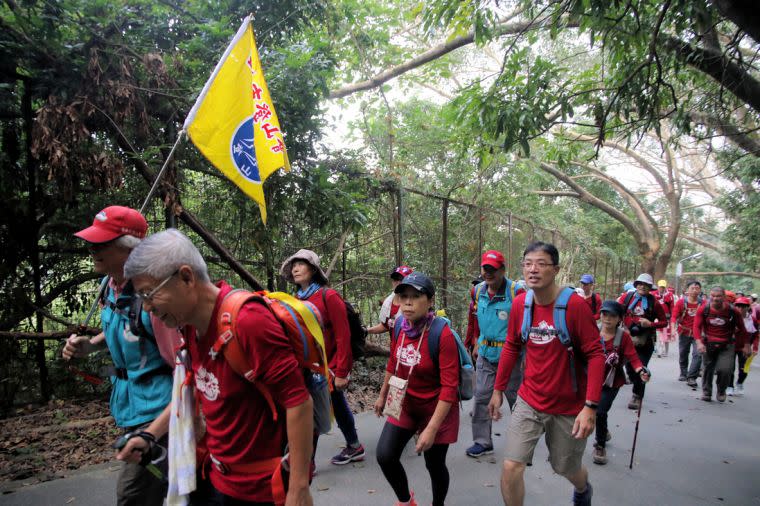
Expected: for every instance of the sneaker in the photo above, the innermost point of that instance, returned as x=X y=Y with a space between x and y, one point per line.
x=600 y=455
x=682 y=378
x=348 y=455
x=730 y=391
x=739 y=390
x=692 y=382
x=635 y=402
x=583 y=499
x=411 y=501
x=478 y=450
x=721 y=397
x=609 y=436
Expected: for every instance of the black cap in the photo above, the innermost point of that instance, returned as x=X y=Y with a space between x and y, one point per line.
x=419 y=282
x=614 y=307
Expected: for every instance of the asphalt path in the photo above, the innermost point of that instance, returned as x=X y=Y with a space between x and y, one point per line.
x=689 y=453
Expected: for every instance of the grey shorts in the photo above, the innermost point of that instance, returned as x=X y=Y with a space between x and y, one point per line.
x=525 y=428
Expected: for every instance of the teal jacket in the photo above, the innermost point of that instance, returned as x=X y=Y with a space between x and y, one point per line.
x=493 y=315
x=147 y=389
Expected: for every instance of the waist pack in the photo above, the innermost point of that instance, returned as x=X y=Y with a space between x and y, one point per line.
x=466 y=370
x=301 y=323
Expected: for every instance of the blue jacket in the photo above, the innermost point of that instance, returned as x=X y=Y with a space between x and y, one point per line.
x=141 y=397
x=493 y=315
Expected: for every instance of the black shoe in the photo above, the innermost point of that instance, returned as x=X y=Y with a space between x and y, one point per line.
x=682 y=378
x=691 y=382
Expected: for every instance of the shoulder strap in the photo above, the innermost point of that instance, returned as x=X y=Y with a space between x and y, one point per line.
x=527 y=316
x=397 y=328
x=593 y=302
x=476 y=295
x=560 y=315
x=627 y=299
x=434 y=338
x=618 y=337
x=512 y=289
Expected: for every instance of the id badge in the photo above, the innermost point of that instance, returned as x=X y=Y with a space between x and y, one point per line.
x=395 y=398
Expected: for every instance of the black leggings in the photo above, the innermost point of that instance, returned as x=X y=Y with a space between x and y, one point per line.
x=391 y=445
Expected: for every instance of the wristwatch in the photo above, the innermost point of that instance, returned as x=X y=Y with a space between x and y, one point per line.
x=591 y=405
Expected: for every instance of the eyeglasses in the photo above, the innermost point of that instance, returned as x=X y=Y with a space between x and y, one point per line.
x=149 y=296
x=526 y=264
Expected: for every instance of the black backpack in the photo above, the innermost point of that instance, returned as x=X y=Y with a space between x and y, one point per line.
x=355 y=326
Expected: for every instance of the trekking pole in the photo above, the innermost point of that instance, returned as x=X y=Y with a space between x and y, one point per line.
x=636 y=433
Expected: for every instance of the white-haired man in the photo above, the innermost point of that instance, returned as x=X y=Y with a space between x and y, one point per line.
x=242 y=435
x=140 y=346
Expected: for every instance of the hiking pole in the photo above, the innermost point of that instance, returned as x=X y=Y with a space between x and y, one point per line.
x=636 y=432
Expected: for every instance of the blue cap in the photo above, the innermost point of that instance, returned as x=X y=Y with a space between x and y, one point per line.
x=419 y=282
x=587 y=279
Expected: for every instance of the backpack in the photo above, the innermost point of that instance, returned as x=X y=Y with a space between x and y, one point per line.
x=560 y=322
x=685 y=300
x=356 y=327
x=466 y=369
x=477 y=290
x=300 y=321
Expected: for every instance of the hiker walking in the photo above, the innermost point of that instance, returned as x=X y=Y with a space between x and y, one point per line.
x=564 y=364
x=664 y=335
x=391 y=304
x=719 y=331
x=419 y=392
x=141 y=347
x=643 y=316
x=743 y=304
x=618 y=349
x=682 y=320
x=303 y=269
x=592 y=298
x=492 y=302
x=246 y=430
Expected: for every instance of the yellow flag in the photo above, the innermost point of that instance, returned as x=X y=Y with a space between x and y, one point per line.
x=233 y=122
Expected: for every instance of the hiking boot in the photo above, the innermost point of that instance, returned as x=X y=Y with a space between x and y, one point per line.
x=348 y=455
x=739 y=390
x=707 y=397
x=411 y=502
x=583 y=499
x=609 y=436
x=478 y=450
x=692 y=382
x=635 y=402
x=600 y=455
x=730 y=391
x=682 y=378
x=721 y=397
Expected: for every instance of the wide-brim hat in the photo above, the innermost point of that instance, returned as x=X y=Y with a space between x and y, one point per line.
x=308 y=256
x=644 y=278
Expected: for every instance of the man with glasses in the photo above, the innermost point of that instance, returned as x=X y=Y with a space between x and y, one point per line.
x=141 y=347
x=491 y=303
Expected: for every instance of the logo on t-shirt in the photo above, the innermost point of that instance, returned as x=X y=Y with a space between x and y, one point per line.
x=716 y=321
x=543 y=333
x=638 y=311
x=408 y=355
x=691 y=311
x=207 y=383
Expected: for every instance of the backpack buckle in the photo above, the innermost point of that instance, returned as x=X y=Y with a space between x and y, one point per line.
x=226 y=318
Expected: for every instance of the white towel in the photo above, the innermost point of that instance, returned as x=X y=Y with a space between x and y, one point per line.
x=181 y=436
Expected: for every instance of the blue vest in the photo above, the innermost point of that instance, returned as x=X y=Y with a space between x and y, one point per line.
x=144 y=394
x=493 y=316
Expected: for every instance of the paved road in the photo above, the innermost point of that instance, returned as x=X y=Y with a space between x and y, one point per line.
x=690 y=453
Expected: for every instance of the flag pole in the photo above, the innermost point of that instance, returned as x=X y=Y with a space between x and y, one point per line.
x=151 y=192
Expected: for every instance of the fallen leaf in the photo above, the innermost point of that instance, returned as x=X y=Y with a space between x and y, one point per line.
x=322 y=488
x=71 y=500
x=371 y=491
x=488 y=484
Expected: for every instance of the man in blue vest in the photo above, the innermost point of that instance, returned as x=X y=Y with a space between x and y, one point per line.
x=140 y=347
x=492 y=302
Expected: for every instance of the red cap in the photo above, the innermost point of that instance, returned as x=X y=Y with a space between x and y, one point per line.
x=730 y=296
x=493 y=258
x=402 y=270
x=113 y=222
x=744 y=301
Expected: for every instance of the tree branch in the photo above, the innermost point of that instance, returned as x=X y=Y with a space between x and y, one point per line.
x=722 y=273
x=731 y=132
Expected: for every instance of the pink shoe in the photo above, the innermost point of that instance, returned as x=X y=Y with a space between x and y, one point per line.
x=411 y=502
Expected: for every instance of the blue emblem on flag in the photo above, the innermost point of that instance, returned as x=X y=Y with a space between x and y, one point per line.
x=243 y=151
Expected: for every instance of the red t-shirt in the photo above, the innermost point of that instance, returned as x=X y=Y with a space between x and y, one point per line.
x=684 y=317
x=636 y=313
x=716 y=327
x=428 y=381
x=547 y=386
x=590 y=301
x=239 y=425
x=337 y=331
x=627 y=353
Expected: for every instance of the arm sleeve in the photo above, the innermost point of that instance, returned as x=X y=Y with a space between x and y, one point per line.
x=598 y=313
x=271 y=355
x=661 y=321
x=336 y=308
x=677 y=310
x=629 y=352
x=697 y=331
x=511 y=350
x=391 y=365
x=448 y=365
x=385 y=311
x=584 y=329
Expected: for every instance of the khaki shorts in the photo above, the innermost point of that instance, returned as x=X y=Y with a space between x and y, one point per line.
x=525 y=428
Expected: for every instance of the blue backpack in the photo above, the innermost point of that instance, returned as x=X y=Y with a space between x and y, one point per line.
x=466 y=370
x=560 y=323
